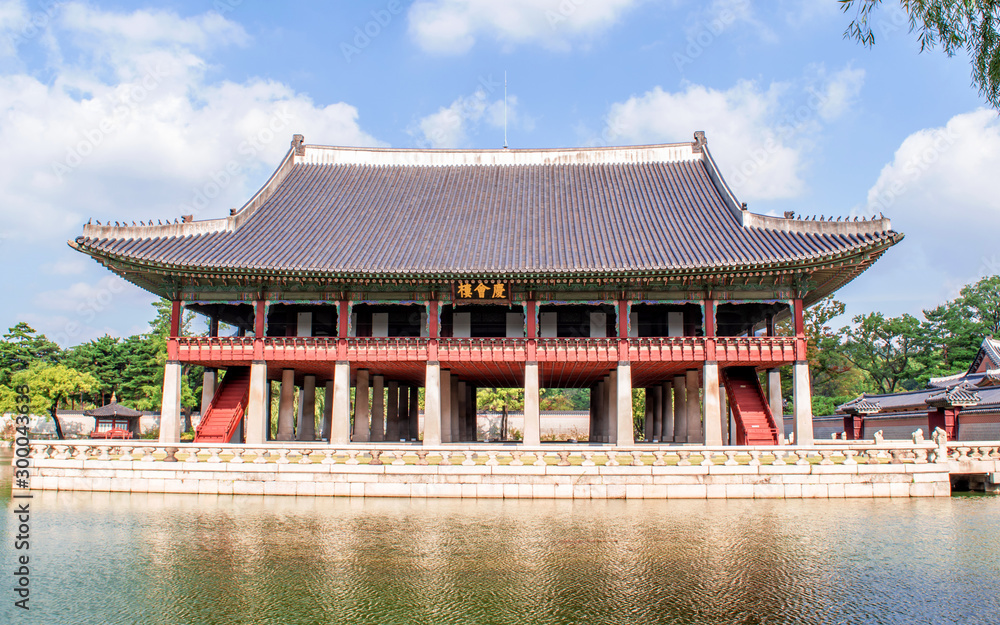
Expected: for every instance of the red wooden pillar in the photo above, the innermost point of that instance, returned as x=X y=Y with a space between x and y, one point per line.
x=710 y=330
x=432 y=330
x=800 y=331
x=944 y=418
x=343 y=323
x=530 y=318
x=622 y=330
x=258 y=330
x=175 y=325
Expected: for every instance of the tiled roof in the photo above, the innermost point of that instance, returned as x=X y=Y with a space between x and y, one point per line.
x=113 y=409
x=860 y=406
x=962 y=394
x=988 y=356
x=369 y=211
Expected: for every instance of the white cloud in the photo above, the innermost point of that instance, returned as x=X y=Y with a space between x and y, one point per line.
x=451 y=125
x=940 y=191
x=452 y=26
x=84 y=310
x=131 y=128
x=759 y=136
x=741 y=126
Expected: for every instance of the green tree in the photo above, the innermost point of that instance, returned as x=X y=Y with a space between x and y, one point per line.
x=23 y=346
x=50 y=386
x=969 y=25
x=886 y=348
x=499 y=398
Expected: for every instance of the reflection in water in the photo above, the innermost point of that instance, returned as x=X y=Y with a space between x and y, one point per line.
x=118 y=558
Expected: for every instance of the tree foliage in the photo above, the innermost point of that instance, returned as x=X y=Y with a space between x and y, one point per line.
x=955 y=25
x=885 y=348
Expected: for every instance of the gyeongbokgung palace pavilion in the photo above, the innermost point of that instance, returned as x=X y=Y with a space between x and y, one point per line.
x=391 y=269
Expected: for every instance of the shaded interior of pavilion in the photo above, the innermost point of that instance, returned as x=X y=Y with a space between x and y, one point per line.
x=386 y=397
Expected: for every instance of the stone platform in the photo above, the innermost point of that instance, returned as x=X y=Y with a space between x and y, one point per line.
x=580 y=471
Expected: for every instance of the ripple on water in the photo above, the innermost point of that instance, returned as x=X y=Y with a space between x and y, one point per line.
x=118 y=558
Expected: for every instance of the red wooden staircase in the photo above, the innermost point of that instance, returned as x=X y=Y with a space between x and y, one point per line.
x=224 y=414
x=754 y=422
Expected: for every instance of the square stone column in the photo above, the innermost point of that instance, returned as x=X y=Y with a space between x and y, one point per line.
x=693 y=408
x=378 y=409
x=209 y=380
x=680 y=410
x=532 y=416
x=414 y=414
x=724 y=409
x=361 y=426
x=286 y=406
x=803 y=403
x=404 y=412
x=654 y=396
x=611 y=429
x=307 y=410
x=463 y=414
x=256 y=416
x=592 y=413
x=446 y=406
x=597 y=424
x=340 y=426
x=775 y=402
x=456 y=424
x=625 y=436
x=170 y=408
x=328 y=411
x=712 y=410
x=649 y=416
x=392 y=412
x=667 y=401
x=432 y=404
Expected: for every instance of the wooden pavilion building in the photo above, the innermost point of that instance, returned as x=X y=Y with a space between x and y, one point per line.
x=452 y=270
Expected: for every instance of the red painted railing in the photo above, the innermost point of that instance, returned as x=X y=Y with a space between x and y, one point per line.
x=734 y=350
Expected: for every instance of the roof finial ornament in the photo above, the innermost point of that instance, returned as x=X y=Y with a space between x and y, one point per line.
x=789 y=214
x=297 y=145
x=700 y=141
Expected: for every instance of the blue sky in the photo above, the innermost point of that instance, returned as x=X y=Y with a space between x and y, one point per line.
x=123 y=111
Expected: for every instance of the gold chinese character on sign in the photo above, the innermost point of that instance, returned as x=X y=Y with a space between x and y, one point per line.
x=465 y=290
x=499 y=290
x=481 y=290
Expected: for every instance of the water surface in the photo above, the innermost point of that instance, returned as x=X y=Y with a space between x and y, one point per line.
x=106 y=558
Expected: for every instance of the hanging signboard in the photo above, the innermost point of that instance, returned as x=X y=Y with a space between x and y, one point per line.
x=480 y=290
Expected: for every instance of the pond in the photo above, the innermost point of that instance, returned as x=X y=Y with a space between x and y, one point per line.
x=106 y=558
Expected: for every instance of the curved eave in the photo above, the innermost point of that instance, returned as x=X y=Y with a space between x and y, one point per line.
x=129 y=267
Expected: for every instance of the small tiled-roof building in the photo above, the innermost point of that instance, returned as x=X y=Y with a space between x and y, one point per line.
x=966 y=405
x=600 y=268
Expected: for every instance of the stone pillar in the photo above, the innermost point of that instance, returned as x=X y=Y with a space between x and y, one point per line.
x=626 y=428
x=286 y=404
x=414 y=433
x=654 y=396
x=328 y=411
x=432 y=404
x=307 y=410
x=463 y=408
x=775 y=401
x=597 y=431
x=532 y=417
x=170 y=408
x=591 y=430
x=694 y=431
x=208 y=385
x=712 y=411
x=724 y=409
x=392 y=412
x=256 y=416
x=456 y=425
x=680 y=410
x=404 y=412
x=446 y=406
x=667 y=399
x=473 y=411
x=378 y=409
x=361 y=425
x=612 y=422
x=340 y=424
x=647 y=419
x=803 y=403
